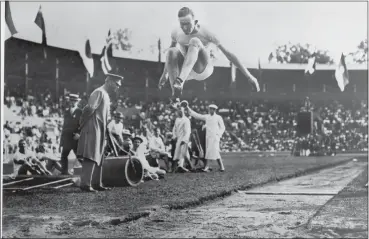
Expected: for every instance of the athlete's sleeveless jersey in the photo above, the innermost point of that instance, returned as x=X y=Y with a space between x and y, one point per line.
x=203 y=34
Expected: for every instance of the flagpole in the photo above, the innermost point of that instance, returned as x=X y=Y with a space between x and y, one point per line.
x=26 y=76
x=260 y=75
x=159 y=49
x=233 y=77
x=306 y=83
x=146 y=85
x=87 y=81
x=57 y=80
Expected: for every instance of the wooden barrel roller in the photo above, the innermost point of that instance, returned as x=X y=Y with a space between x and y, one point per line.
x=122 y=171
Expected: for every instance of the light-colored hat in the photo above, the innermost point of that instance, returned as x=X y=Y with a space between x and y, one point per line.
x=127 y=132
x=74 y=97
x=184 y=103
x=213 y=106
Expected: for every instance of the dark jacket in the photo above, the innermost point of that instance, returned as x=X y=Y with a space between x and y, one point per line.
x=70 y=127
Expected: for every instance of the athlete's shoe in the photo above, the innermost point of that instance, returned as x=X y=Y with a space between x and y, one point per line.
x=174 y=102
x=178 y=87
x=162 y=82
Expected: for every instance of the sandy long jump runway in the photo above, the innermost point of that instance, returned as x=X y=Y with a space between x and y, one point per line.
x=282 y=209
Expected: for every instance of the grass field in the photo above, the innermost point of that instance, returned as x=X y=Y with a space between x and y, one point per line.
x=175 y=191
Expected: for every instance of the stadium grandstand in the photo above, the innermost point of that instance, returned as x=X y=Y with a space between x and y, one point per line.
x=42 y=76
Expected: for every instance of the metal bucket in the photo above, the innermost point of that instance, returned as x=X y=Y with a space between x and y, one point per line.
x=121 y=172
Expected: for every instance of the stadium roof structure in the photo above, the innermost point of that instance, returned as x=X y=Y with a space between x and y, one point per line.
x=264 y=66
x=274 y=66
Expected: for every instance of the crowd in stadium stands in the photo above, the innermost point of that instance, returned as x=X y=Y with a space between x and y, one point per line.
x=250 y=126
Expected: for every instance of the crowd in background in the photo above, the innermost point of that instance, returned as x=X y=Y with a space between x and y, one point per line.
x=250 y=126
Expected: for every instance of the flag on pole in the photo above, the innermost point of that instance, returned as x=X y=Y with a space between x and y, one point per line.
x=107 y=54
x=107 y=41
x=311 y=66
x=109 y=37
x=9 y=19
x=87 y=58
x=270 y=57
x=233 y=72
x=39 y=20
x=341 y=74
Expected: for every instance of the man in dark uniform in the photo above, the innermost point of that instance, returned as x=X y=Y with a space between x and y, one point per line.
x=70 y=133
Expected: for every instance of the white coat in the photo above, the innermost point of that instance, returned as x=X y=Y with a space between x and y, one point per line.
x=214 y=130
x=181 y=132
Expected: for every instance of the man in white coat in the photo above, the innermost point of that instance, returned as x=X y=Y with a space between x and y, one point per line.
x=214 y=130
x=181 y=133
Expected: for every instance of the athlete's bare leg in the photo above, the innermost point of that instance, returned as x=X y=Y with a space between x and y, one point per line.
x=173 y=64
x=196 y=59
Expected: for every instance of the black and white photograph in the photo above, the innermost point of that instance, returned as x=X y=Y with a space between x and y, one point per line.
x=170 y=119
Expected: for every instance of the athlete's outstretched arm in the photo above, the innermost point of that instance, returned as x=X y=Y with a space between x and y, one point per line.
x=196 y=115
x=234 y=59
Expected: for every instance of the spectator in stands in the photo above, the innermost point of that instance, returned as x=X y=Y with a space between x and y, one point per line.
x=138 y=151
x=26 y=162
x=157 y=148
x=127 y=142
x=50 y=157
x=116 y=127
x=277 y=120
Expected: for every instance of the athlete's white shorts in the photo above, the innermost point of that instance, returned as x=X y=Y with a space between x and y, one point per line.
x=203 y=75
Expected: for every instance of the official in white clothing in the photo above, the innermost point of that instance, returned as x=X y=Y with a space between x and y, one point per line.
x=215 y=128
x=181 y=133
